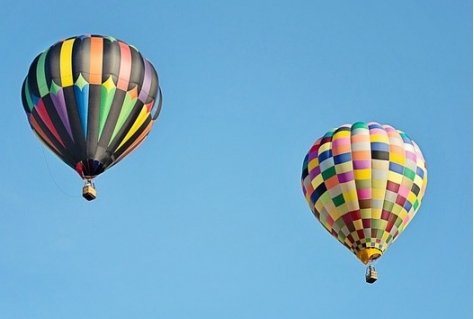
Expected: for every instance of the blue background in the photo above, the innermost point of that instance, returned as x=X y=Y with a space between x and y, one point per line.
x=207 y=218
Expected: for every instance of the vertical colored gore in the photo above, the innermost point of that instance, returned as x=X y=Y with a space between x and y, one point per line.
x=89 y=168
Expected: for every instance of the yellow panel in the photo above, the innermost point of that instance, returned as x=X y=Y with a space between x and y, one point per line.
x=358 y=224
x=377 y=211
x=138 y=123
x=324 y=147
x=342 y=133
x=379 y=138
x=411 y=197
x=318 y=180
x=350 y=195
x=313 y=163
x=334 y=211
x=397 y=158
x=362 y=173
x=65 y=65
x=395 y=177
x=344 y=167
x=378 y=193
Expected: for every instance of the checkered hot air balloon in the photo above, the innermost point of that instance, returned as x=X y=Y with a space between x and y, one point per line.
x=91 y=100
x=364 y=183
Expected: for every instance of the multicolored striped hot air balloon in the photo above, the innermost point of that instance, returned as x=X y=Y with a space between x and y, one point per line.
x=364 y=183
x=91 y=100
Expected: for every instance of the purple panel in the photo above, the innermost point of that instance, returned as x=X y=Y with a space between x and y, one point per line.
x=361 y=164
x=345 y=177
x=60 y=105
x=146 y=82
x=315 y=172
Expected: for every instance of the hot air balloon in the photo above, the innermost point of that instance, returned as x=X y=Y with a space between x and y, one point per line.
x=364 y=183
x=90 y=99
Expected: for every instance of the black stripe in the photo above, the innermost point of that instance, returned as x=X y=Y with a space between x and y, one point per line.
x=79 y=149
x=93 y=120
x=52 y=65
x=80 y=59
x=31 y=79
x=133 y=138
x=380 y=155
x=109 y=126
x=111 y=61
x=125 y=127
x=24 y=100
x=137 y=72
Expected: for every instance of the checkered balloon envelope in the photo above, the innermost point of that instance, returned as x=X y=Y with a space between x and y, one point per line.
x=364 y=182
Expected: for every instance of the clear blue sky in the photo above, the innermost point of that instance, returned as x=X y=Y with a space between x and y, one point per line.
x=207 y=219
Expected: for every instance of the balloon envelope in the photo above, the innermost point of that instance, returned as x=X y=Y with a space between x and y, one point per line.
x=364 y=183
x=91 y=100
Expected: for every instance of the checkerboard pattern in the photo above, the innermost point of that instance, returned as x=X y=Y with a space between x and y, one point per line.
x=364 y=182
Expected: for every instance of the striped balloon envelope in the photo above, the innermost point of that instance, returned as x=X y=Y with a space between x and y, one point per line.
x=91 y=100
x=364 y=183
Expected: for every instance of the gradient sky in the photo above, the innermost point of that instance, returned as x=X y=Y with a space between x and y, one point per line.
x=207 y=219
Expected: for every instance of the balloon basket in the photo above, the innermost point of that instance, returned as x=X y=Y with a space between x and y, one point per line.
x=371 y=275
x=89 y=192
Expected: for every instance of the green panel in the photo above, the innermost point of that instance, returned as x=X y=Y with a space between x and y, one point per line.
x=106 y=99
x=415 y=205
x=54 y=88
x=41 y=76
x=341 y=236
x=330 y=172
x=377 y=224
x=81 y=82
x=127 y=107
x=325 y=198
x=338 y=200
x=398 y=222
x=388 y=206
x=340 y=223
x=359 y=125
x=363 y=183
x=31 y=105
x=409 y=173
